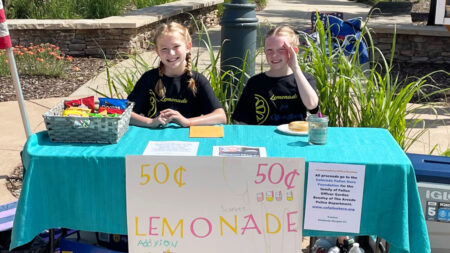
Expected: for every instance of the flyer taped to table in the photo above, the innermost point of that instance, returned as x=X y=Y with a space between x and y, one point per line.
x=334 y=197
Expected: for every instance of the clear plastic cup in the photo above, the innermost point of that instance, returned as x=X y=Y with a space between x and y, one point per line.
x=317 y=129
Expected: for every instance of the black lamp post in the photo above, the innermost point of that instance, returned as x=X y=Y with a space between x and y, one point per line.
x=239 y=30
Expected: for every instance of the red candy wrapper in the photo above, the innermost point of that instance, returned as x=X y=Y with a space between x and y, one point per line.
x=87 y=102
x=110 y=110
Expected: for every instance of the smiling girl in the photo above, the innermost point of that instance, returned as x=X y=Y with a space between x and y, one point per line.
x=173 y=93
x=282 y=94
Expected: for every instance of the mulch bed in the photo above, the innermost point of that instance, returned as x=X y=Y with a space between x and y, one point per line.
x=38 y=87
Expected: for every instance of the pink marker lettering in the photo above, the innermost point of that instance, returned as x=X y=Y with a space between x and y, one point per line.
x=289 y=222
x=150 y=226
x=209 y=227
x=250 y=219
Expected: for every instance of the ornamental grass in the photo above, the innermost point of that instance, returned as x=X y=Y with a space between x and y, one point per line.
x=366 y=95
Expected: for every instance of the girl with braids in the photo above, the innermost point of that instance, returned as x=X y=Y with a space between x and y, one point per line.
x=282 y=94
x=173 y=93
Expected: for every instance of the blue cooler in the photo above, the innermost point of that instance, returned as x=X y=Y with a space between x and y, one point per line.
x=113 y=241
x=433 y=183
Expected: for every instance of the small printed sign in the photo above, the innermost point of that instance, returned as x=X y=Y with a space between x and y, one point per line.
x=334 y=197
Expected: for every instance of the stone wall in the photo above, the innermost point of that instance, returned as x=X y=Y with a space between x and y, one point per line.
x=415 y=44
x=111 y=36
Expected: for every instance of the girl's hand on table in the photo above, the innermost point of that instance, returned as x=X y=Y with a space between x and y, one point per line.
x=175 y=117
x=159 y=121
x=143 y=121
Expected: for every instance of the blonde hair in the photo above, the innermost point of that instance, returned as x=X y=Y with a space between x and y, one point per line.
x=284 y=31
x=171 y=28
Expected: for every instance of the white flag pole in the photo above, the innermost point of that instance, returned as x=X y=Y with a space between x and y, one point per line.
x=5 y=43
x=19 y=95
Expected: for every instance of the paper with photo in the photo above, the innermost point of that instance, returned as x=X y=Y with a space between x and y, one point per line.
x=239 y=151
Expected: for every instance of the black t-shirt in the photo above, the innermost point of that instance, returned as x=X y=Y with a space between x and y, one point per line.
x=178 y=95
x=271 y=100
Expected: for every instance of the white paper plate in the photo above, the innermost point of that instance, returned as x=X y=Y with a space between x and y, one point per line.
x=285 y=129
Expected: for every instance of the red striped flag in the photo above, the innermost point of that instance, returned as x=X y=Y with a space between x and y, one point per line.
x=5 y=40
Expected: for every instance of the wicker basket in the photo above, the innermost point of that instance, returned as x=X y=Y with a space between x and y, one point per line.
x=85 y=129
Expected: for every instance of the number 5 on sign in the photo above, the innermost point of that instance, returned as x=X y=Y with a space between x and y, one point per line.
x=161 y=174
x=275 y=174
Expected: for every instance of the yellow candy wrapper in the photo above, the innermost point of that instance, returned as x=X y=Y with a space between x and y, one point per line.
x=103 y=113
x=76 y=112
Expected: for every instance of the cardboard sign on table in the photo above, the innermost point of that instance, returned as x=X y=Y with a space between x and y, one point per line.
x=214 y=204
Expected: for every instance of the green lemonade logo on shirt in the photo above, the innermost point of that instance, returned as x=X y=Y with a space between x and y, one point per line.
x=175 y=100
x=152 y=108
x=273 y=97
x=262 y=109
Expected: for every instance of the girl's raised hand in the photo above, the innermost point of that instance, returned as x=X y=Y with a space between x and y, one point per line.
x=175 y=116
x=292 y=54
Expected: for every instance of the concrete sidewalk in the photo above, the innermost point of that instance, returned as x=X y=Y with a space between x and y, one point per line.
x=295 y=13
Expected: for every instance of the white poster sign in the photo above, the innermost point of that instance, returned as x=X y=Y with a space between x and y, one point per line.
x=214 y=204
x=334 y=197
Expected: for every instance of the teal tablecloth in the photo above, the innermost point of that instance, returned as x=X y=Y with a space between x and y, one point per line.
x=82 y=186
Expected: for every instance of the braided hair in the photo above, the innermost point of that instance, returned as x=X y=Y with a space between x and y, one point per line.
x=172 y=28
x=188 y=71
x=160 y=89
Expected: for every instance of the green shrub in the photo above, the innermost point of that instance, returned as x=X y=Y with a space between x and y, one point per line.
x=102 y=8
x=23 y=9
x=72 y=9
x=146 y=3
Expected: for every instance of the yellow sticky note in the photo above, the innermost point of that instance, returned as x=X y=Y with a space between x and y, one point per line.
x=205 y=131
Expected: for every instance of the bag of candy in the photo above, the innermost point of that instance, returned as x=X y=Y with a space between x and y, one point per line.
x=112 y=105
x=87 y=102
x=76 y=112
